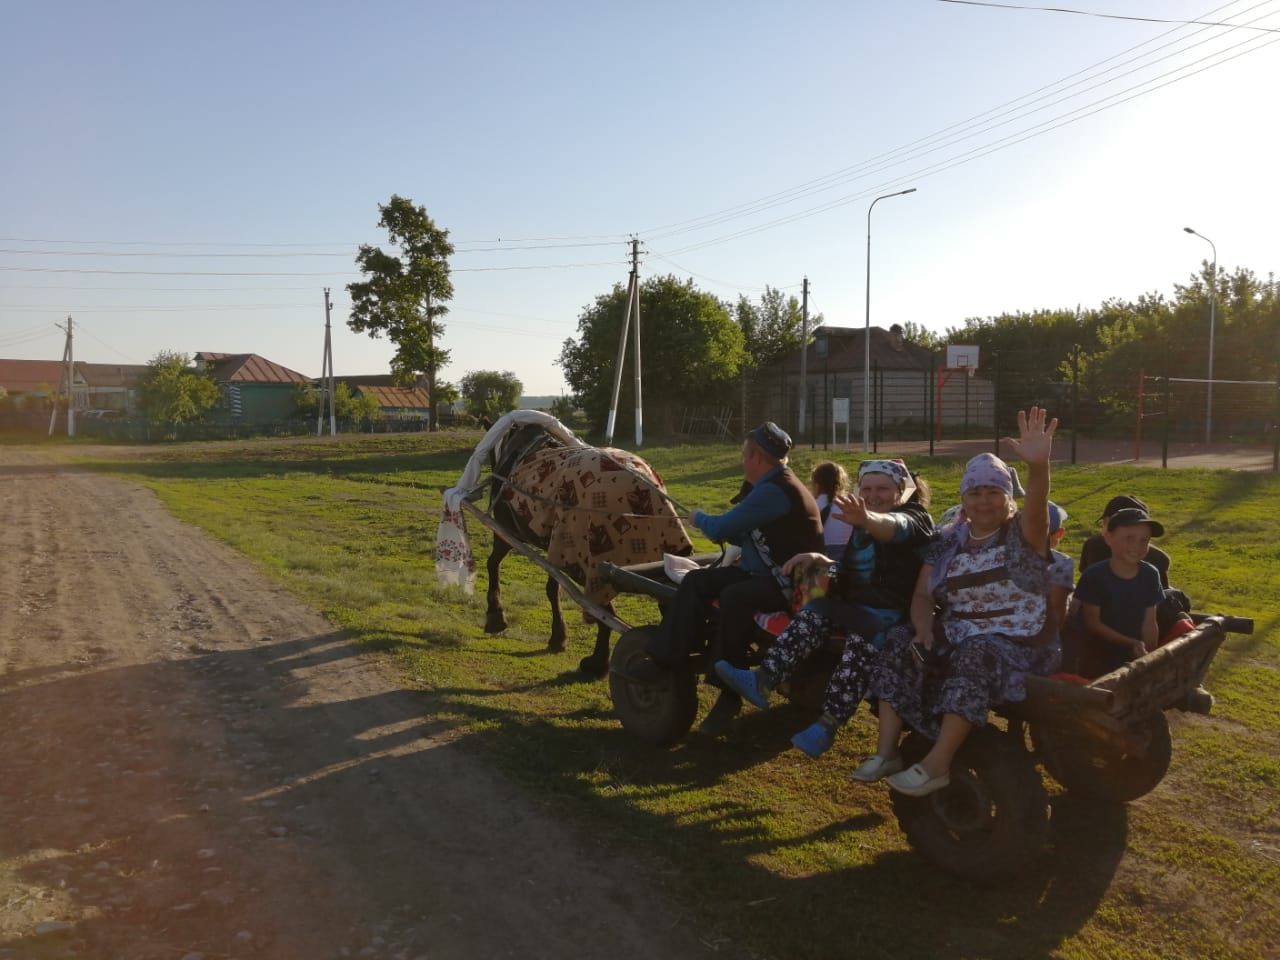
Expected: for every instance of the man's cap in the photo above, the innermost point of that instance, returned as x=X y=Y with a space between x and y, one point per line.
x=772 y=439
x=1122 y=502
x=1131 y=517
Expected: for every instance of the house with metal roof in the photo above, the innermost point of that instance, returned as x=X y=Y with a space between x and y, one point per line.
x=254 y=390
x=396 y=403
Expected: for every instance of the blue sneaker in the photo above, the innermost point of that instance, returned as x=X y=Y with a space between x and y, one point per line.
x=743 y=683
x=814 y=740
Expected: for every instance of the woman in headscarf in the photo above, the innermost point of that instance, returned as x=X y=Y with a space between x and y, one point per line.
x=868 y=592
x=989 y=575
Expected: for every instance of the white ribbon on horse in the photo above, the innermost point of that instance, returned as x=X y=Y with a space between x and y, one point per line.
x=455 y=565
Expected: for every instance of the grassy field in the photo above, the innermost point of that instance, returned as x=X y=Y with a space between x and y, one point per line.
x=779 y=850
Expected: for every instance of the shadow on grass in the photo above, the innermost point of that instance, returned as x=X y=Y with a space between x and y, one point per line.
x=657 y=801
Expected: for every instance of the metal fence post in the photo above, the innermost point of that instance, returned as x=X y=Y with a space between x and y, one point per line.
x=875 y=396
x=1275 y=433
x=1164 y=442
x=1075 y=399
x=929 y=389
x=995 y=400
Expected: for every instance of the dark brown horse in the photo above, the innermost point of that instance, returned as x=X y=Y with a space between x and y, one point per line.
x=581 y=505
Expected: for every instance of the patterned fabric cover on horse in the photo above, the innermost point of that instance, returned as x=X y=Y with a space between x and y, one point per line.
x=586 y=506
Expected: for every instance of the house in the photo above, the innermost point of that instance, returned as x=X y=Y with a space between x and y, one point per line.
x=396 y=403
x=254 y=390
x=95 y=386
x=910 y=386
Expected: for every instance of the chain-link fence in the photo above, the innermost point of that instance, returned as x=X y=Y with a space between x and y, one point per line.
x=937 y=403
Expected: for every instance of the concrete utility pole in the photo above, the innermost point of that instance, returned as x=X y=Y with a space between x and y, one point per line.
x=67 y=375
x=804 y=354
x=633 y=298
x=326 y=377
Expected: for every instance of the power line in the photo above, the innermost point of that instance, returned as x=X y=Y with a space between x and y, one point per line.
x=721 y=283
x=994 y=146
x=255 y=256
x=117 y=308
x=609 y=238
x=322 y=273
x=951 y=133
x=1108 y=16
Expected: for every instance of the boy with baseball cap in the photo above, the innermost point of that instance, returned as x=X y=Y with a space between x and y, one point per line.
x=1118 y=596
x=1095 y=548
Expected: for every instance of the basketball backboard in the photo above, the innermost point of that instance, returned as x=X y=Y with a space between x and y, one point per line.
x=962 y=357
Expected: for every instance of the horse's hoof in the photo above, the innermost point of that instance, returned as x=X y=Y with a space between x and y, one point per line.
x=495 y=623
x=593 y=667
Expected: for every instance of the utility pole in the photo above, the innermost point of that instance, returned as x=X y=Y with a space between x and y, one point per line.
x=804 y=352
x=67 y=375
x=633 y=297
x=326 y=377
x=431 y=369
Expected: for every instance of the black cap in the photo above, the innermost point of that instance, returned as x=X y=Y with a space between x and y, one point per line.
x=772 y=439
x=1122 y=502
x=1131 y=517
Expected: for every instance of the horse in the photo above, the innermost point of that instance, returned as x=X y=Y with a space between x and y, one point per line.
x=581 y=505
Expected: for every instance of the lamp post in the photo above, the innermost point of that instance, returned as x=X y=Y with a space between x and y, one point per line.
x=1213 y=310
x=866 y=336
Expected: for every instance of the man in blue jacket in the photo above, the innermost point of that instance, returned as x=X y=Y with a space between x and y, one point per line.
x=774 y=518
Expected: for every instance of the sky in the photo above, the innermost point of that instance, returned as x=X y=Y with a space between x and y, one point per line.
x=183 y=177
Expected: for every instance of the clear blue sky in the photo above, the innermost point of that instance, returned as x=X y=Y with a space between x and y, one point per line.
x=201 y=129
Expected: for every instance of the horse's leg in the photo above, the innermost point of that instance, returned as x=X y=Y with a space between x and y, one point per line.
x=597 y=665
x=556 y=643
x=495 y=620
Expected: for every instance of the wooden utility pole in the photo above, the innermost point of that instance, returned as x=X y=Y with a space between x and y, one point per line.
x=326 y=376
x=633 y=298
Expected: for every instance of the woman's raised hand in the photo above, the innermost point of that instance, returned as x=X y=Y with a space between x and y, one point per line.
x=850 y=508
x=1035 y=436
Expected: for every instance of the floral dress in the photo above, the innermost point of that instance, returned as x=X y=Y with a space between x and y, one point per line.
x=992 y=632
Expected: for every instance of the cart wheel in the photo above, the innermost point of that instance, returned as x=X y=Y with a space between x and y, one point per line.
x=1094 y=768
x=659 y=713
x=991 y=822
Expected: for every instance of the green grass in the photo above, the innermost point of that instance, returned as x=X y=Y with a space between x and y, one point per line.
x=810 y=864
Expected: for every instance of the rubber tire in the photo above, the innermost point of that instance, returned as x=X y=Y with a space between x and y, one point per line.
x=659 y=714
x=1086 y=766
x=992 y=822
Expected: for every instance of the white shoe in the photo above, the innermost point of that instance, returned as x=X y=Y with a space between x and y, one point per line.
x=876 y=767
x=916 y=782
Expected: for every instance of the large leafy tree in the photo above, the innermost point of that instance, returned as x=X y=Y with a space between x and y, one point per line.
x=405 y=293
x=490 y=393
x=170 y=391
x=691 y=351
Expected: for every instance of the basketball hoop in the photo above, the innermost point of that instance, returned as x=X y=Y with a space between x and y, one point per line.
x=962 y=357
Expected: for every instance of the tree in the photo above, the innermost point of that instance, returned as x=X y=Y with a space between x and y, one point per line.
x=913 y=332
x=170 y=391
x=309 y=402
x=404 y=295
x=446 y=395
x=489 y=393
x=770 y=329
x=691 y=350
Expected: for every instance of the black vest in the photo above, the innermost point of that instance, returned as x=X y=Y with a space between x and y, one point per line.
x=799 y=530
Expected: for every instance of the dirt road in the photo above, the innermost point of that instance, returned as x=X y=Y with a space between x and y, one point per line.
x=194 y=764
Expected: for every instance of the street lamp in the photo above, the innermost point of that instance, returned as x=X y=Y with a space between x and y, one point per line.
x=1213 y=310
x=866 y=337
